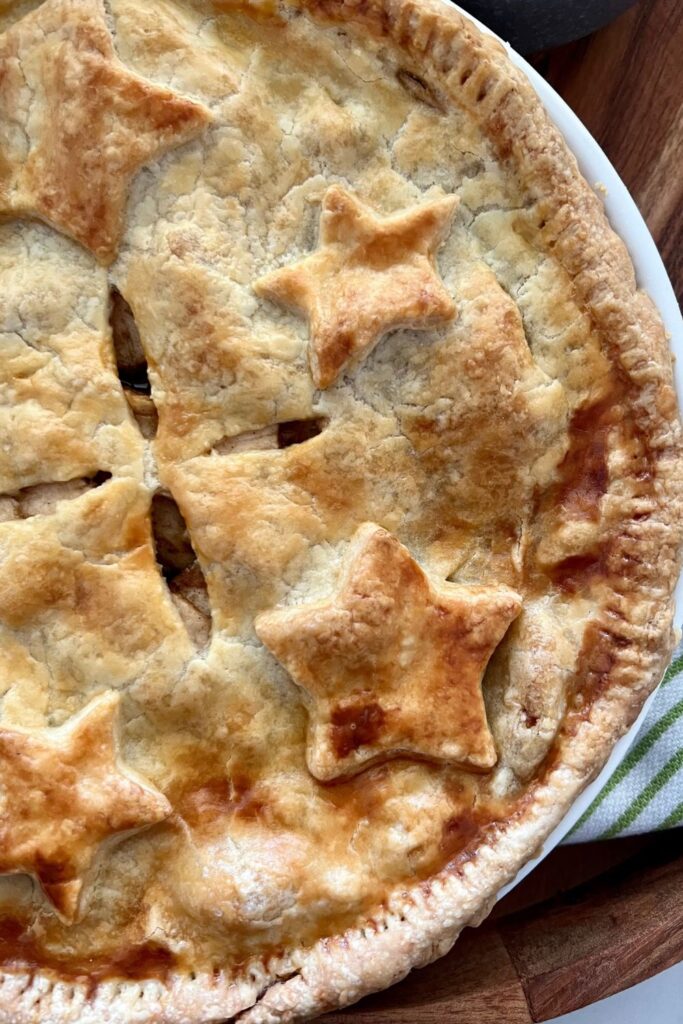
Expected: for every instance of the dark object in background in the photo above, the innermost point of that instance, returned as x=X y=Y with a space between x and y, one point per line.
x=530 y=25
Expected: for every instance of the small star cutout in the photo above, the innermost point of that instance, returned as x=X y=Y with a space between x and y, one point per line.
x=392 y=666
x=76 y=124
x=369 y=276
x=62 y=794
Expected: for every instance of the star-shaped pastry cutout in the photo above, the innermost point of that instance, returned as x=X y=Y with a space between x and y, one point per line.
x=392 y=665
x=62 y=794
x=76 y=124
x=369 y=275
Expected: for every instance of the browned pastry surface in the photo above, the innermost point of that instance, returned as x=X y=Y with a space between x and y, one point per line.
x=368 y=513
x=78 y=124
x=391 y=666
x=64 y=796
x=368 y=277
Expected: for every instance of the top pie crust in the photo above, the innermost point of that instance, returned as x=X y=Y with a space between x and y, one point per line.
x=410 y=638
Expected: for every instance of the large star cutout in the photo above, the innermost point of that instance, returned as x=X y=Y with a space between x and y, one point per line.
x=370 y=275
x=76 y=124
x=62 y=794
x=392 y=665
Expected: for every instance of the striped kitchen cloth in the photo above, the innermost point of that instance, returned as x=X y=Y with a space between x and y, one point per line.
x=646 y=791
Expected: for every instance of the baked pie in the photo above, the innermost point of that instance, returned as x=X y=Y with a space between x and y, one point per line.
x=340 y=503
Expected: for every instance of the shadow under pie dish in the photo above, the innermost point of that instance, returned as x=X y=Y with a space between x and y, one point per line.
x=340 y=500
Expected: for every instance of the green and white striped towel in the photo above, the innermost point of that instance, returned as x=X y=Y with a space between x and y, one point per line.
x=646 y=791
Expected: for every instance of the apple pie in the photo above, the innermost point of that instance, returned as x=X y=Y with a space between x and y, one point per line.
x=340 y=500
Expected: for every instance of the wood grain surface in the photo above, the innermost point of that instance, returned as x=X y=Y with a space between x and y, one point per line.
x=616 y=918
x=592 y=919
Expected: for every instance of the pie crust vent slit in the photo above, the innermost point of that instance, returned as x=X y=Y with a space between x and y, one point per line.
x=418 y=89
x=42 y=499
x=275 y=435
x=181 y=568
x=131 y=363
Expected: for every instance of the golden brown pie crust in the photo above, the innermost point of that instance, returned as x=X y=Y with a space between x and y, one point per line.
x=390 y=628
x=367 y=277
x=515 y=436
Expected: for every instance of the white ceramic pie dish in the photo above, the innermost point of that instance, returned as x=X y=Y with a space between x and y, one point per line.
x=652 y=277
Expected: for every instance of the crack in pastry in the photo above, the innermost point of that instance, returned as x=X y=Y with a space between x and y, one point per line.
x=418 y=88
x=369 y=276
x=299 y=431
x=89 y=126
x=131 y=363
x=273 y=437
x=392 y=665
x=144 y=412
x=65 y=793
x=131 y=360
x=172 y=541
x=41 y=499
x=180 y=567
x=191 y=597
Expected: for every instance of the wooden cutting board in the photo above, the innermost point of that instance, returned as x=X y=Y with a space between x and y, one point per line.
x=616 y=918
x=594 y=919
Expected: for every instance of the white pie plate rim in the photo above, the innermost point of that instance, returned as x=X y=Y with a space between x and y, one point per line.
x=652 y=277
